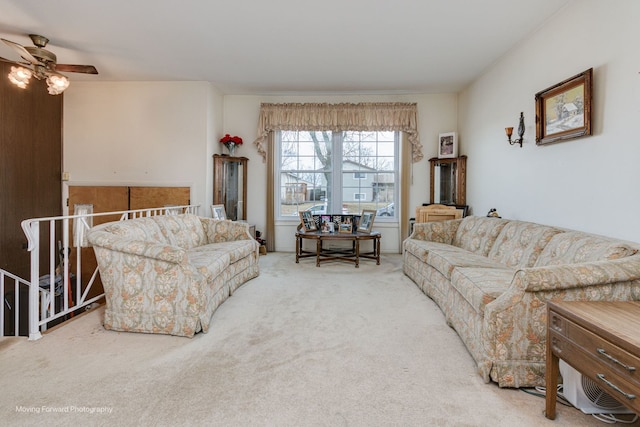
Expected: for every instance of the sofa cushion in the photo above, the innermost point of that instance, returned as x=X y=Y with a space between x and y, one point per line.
x=420 y=248
x=520 y=243
x=578 y=247
x=143 y=229
x=477 y=234
x=218 y=231
x=185 y=231
x=438 y=231
x=445 y=259
x=479 y=286
x=235 y=250
x=210 y=263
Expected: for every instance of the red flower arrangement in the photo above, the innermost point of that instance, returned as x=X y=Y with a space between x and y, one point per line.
x=231 y=142
x=228 y=139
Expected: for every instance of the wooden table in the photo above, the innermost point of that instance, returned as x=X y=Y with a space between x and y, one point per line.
x=599 y=339
x=351 y=254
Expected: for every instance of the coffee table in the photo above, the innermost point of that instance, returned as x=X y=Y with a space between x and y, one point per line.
x=351 y=254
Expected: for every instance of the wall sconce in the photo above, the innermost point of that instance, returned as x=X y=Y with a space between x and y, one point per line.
x=509 y=132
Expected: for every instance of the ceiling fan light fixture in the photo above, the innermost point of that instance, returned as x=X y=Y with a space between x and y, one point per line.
x=20 y=76
x=57 y=83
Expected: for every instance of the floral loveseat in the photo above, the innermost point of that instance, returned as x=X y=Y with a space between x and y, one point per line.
x=492 y=278
x=168 y=274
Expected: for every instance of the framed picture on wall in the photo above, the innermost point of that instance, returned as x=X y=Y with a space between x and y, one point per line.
x=563 y=111
x=447 y=145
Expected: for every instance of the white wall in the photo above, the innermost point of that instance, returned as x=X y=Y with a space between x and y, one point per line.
x=164 y=133
x=436 y=113
x=143 y=133
x=586 y=184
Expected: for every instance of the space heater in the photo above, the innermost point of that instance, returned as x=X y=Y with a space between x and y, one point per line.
x=587 y=396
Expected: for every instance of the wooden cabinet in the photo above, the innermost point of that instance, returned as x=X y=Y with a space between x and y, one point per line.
x=600 y=339
x=448 y=181
x=230 y=185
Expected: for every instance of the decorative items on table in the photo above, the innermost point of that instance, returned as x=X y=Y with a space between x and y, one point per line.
x=231 y=142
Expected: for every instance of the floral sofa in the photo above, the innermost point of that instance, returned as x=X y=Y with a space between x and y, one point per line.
x=168 y=274
x=492 y=278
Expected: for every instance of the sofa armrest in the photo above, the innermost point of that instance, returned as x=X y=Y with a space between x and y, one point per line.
x=439 y=231
x=515 y=323
x=567 y=276
x=218 y=231
x=163 y=252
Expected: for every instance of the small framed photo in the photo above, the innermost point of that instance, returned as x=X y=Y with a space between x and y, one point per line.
x=218 y=212
x=563 y=111
x=307 y=220
x=326 y=225
x=366 y=221
x=447 y=145
x=346 y=226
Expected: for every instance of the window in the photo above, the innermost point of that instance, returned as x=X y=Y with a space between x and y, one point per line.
x=344 y=172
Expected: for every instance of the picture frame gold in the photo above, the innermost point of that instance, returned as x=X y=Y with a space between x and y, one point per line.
x=366 y=221
x=563 y=111
x=345 y=227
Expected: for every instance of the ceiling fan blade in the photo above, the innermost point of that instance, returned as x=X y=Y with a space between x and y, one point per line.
x=72 y=68
x=24 y=53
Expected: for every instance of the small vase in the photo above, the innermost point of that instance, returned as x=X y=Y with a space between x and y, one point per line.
x=232 y=148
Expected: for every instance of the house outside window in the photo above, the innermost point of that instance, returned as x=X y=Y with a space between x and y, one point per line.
x=336 y=172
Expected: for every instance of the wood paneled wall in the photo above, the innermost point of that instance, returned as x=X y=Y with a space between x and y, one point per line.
x=30 y=165
x=114 y=199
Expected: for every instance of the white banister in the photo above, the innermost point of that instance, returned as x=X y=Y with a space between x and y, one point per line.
x=57 y=282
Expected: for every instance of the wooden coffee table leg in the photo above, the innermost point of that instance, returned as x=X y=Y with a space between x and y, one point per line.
x=298 y=244
x=318 y=251
x=357 y=243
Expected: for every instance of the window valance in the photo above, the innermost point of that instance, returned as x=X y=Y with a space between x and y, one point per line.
x=370 y=116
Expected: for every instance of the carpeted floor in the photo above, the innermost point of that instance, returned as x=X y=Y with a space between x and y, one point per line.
x=297 y=346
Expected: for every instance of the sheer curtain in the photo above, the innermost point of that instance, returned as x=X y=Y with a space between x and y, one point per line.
x=370 y=116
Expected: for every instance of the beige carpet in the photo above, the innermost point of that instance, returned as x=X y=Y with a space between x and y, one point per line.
x=297 y=346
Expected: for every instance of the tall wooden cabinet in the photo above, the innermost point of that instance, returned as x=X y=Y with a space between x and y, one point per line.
x=448 y=181
x=230 y=185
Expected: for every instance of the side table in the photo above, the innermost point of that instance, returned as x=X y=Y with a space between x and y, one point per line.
x=601 y=340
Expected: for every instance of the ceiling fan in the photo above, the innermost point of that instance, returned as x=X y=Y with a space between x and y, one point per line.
x=43 y=65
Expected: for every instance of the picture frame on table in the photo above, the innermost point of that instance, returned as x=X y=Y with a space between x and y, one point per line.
x=326 y=225
x=346 y=226
x=563 y=111
x=307 y=220
x=366 y=221
x=218 y=212
x=447 y=145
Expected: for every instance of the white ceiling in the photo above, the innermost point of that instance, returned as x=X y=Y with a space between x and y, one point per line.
x=281 y=46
